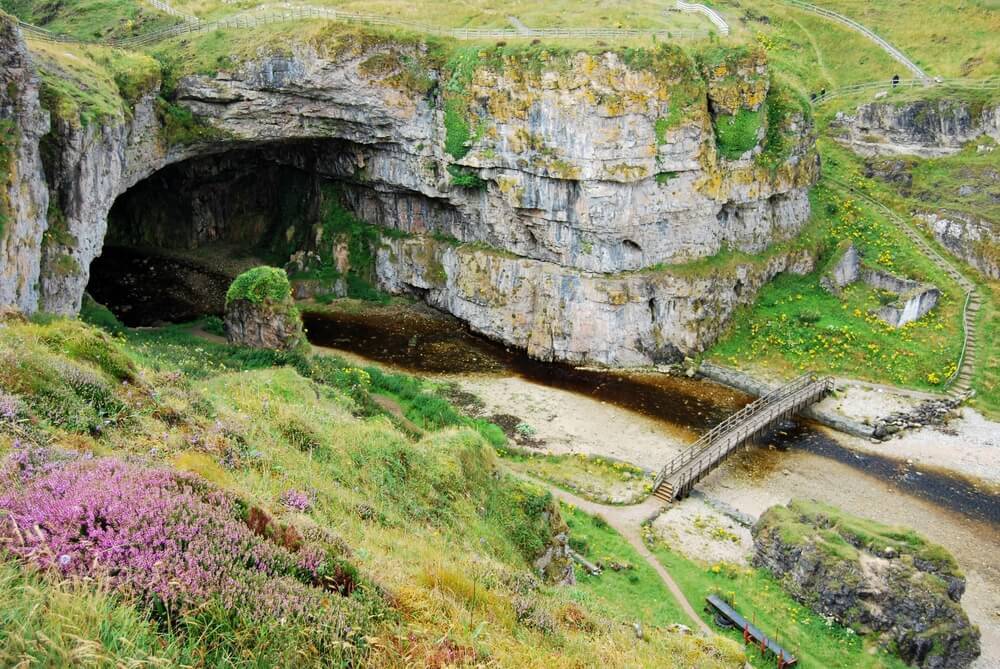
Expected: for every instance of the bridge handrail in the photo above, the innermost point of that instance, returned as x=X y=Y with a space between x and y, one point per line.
x=705 y=442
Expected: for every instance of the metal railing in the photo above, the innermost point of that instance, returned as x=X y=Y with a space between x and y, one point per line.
x=167 y=8
x=714 y=436
x=712 y=15
x=297 y=13
x=991 y=83
x=851 y=23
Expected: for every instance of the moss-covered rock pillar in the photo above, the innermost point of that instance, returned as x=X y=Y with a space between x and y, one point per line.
x=260 y=312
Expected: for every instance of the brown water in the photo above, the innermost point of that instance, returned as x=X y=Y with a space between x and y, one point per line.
x=420 y=340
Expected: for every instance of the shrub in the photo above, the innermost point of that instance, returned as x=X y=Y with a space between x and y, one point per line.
x=167 y=537
x=260 y=284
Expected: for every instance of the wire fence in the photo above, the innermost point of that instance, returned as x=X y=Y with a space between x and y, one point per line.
x=887 y=85
x=712 y=15
x=851 y=23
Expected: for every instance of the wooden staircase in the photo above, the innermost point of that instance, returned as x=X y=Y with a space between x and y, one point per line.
x=679 y=475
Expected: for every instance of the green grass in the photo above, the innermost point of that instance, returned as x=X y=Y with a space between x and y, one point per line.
x=804 y=520
x=90 y=19
x=735 y=134
x=950 y=38
x=817 y=643
x=940 y=178
x=89 y=84
x=447 y=536
x=592 y=477
x=629 y=595
x=780 y=330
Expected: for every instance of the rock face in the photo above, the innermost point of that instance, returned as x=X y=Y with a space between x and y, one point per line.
x=845 y=271
x=24 y=198
x=264 y=325
x=876 y=579
x=924 y=128
x=974 y=240
x=915 y=298
x=576 y=170
x=556 y=313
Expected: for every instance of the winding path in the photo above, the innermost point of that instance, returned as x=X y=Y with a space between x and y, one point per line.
x=628 y=521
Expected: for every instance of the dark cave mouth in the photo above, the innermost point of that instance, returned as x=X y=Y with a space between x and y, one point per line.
x=176 y=240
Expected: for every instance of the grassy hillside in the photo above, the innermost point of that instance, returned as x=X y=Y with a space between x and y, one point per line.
x=372 y=546
x=90 y=19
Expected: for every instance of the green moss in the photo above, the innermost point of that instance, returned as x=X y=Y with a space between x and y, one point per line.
x=8 y=145
x=664 y=177
x=260 y=284
x=466 y=178
x=781 y=106
x=178 y=126
x=735 y=134
x=841 y=535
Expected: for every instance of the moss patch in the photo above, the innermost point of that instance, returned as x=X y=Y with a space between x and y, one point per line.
x=259 y=285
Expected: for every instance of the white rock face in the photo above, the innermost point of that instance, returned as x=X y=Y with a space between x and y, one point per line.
x=24 y=198
x=974 y=240
x=925 y=128
x=592 y=171
x=558 y=313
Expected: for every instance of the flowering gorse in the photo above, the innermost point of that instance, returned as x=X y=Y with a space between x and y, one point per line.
x=168 y=537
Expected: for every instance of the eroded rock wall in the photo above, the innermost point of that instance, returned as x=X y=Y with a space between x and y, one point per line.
x=579 y=170
x=24 y=199
x=925 y=128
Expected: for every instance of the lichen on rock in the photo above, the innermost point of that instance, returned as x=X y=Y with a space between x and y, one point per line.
x=876 y=579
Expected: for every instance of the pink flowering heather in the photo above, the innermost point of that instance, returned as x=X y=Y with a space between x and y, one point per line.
x=166 y=536
x=296 y=499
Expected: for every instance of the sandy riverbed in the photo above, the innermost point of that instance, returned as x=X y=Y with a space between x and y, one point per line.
x=758 y=478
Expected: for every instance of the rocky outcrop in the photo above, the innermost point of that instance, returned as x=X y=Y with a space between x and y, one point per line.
x=875 y=579
x=265 y=325
x=974 y=240
x=557 y=313
x=924 y=128
x=260 y=311
x=24 y=198
x=573 y=166
x=914 y=299
x=846 y=269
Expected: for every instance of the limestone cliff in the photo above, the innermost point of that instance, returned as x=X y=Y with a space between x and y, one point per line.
x=24 y=199
x=924 y=128
x=595 y=169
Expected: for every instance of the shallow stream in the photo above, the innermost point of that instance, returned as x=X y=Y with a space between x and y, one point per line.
x=421 y=341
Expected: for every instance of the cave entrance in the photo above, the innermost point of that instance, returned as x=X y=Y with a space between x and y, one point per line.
x=177 y=239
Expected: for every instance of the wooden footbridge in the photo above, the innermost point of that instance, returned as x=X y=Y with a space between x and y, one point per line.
x=677 y=478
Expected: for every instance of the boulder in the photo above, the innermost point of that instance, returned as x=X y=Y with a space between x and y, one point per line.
x=260 y=312
x=845 y=271
x=878 y=580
